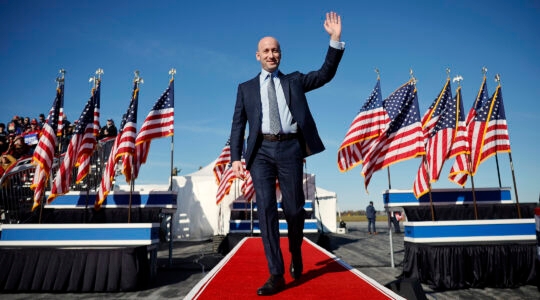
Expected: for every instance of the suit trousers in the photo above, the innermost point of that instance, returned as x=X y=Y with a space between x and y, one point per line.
x=280 y=160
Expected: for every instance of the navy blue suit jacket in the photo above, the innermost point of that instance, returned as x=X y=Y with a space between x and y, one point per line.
x=248 y=108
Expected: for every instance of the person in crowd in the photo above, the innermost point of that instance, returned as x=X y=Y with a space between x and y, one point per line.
x=14 y=128
x=31 y=135
x=109 y=130
x=18 y=123
x=67 y=133
x=25 y=124
x=41 y=120
x=282 y=132
x=6 y=161
x=371 y=215
x=18 y=148
x=3 y=138
x=395 y=217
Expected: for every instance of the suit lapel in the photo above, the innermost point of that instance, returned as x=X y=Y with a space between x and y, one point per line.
x=255 y=87
x=286 y=88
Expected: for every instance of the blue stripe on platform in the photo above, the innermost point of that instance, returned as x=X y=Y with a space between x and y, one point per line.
x=166 y=199
x=447 y=196
x=247 y=206
x=79 y=233
x=470 y=231
x=245 y=226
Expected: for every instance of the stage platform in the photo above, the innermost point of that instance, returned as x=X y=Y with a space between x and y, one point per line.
x=464 y=238
x=457 y=251
x=369 y=254
x=69 y=246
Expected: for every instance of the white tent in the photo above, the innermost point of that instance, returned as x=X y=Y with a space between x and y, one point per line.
x=198 y=217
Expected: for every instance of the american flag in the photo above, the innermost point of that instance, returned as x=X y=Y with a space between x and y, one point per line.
x=222 y=161
x=158 y=123
x=89 y=142
x=460 y=148
x=122 y=148
x=83 y=129
x=247 y=188
x=366 y=126
x=44 y=153
x=489 y=131
x=461 y=167
x=403 y=138
x=460 y=144
x=108 y=175
x=160 y=120
x=224 y=175
x=440 y=126
x=61 y=116
x=224 y=184
x=139 y=157
x=128 y=134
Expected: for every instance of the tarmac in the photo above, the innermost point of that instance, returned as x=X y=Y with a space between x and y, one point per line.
x=370 y=254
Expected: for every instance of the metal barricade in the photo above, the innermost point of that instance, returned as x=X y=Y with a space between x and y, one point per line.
x=16 y=196
x=15 y=193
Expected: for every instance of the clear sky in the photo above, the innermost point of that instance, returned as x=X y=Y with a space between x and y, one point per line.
x=212 y=45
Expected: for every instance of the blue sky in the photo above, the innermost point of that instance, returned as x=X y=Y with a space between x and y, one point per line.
x=212 y=45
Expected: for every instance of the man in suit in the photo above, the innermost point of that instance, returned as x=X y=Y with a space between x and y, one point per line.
x=282 y=132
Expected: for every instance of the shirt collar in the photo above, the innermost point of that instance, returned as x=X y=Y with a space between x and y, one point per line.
x=264 y=74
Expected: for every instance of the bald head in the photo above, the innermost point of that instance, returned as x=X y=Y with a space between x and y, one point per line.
x=268 y=53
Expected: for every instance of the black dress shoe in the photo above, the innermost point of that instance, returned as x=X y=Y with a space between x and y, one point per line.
x=296 y=267
x=273 y=285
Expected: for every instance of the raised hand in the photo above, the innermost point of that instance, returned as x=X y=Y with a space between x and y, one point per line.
x=332 y=25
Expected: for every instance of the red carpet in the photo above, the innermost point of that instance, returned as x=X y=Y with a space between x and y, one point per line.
x=244 y=270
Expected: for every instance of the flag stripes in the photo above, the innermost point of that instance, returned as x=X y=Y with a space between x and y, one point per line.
x=44 y=152
x=367 y=125
x=403 y=138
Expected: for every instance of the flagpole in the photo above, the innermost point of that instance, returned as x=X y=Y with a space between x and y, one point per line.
x=515 y=186
x=138 y=80
x=498 y=170
x=172 y=72
x=484 y=71
x=473 y=190
x=498 y=80
x=428 y=181
x=59 y=81
x=98 y=72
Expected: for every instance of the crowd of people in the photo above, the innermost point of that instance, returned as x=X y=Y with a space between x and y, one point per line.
x=21 y=135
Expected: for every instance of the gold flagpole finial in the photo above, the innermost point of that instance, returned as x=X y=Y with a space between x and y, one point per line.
x=484 y=70
x=378 y=73
x=448 y=73
x=172 y=72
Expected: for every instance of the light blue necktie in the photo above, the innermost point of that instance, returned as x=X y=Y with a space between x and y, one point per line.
x=275 y=123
